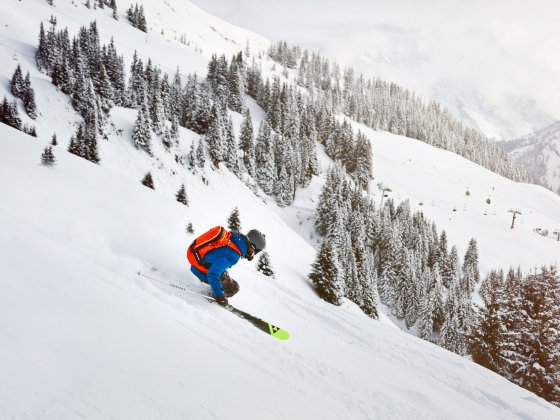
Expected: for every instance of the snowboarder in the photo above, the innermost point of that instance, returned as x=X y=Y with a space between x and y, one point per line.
x=214 y=252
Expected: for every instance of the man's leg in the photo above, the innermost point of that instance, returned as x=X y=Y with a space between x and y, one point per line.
x=230 y=286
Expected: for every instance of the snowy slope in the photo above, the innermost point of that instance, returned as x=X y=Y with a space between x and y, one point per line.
x=82 y=335
x=436 y=182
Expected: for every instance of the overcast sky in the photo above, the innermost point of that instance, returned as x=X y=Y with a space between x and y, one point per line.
x=496 y=45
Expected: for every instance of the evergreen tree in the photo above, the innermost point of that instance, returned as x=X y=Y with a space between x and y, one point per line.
x=470 y=267
x=452 y=331
x=233 y=221
x=29 y=98
x=136 y=17
x=427 y=310
x=367 y=277
x=264 y=159
x=9 y=114
x=329 y=201
x=450 y=268
x=364 y=164
x=538 y=365
x=166 y=139
x=54 y=141
x=230 y=144
x=41 y=55
x=485 y=341
x=285 y=186
x=215 y=137
x=264 y=266
x=148 y=181
x=84 y=142
x=17 y=83
x=437 y=297
x=246 y=143
x=200 y=154
x=236 y=86
x=141 y=135
x=47 y=158
x=326 y=274
x=191 y=157
x=181 y=196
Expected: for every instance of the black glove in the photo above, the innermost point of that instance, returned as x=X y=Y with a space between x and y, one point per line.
x=222 y=300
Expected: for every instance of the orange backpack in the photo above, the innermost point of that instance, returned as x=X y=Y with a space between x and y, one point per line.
x=216 y=237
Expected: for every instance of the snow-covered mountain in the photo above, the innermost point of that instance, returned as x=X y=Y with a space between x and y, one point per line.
x=496 y=71
x=81 y=335
x=540 y=154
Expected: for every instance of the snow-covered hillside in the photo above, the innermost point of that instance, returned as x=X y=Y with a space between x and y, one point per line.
x=81 y=335
x=540 y=154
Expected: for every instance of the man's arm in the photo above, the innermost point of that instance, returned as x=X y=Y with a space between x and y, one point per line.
x=216 y=270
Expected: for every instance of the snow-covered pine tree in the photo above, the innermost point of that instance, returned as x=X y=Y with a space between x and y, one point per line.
x=236 y=84
x=230 y=150
x=352 y=284
x=218 y=78
x=427 y=308
x=114 y=66
x=246 y=143
x=47 y=158
x=364 y=161
x=29 y=98
x=215 y=137
x=141 y=135
x=175 y=95
x=471 y=272
x=166 y=138
x=54 y=141
x=200 y=154
x=17 y=84
x=264 y=265
x=42 y=53
x=367 y=278
x=437 y=291
x=452 y=332
x=181 y=196
x=148 y=181
x=390 y=250
x=84 y=142
x=285 y=185
x=174 y=132
x=264 y=159
x=484 y=343
x=137 y=87
x=234 y=223
x=190 y=228
x=9 y=114
x=329 y=200
x=137 y=18
x=191 y=157
x=326 y=275
x=538 y=364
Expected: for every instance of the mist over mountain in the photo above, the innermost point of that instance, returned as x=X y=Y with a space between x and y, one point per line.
x=493 y=64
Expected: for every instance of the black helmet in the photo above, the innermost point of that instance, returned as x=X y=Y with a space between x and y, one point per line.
x=257 y=239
